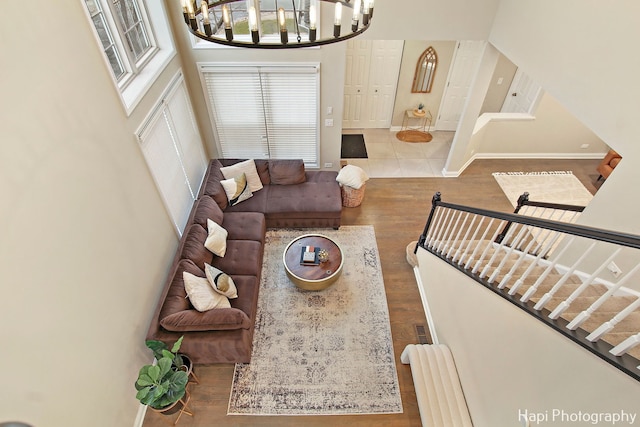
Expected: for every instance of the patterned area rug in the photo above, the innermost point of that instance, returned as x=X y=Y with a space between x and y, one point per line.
x=552 y=187
x=320 y=353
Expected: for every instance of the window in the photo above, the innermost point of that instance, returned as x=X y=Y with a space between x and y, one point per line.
x=172 y=147
x=134 y=53
x=268 y=26
x=264 y=111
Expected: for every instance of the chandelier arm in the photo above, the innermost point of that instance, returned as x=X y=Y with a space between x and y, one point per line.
x=230 y=41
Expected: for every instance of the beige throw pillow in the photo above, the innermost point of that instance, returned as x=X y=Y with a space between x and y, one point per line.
x=237 y=189
x=217 y=239
x=248 y=167
x=201 y=294
x=221 y=282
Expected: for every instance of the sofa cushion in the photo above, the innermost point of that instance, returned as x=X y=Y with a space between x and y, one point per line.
x=245 y=225
x=286 y=172
x=244 y=257
x=256 y=203
x=219 y=319
x=237 y=189
x=262 y=166
x=201 y=295
x=176 y=298
x=220 y=282
x=309 y=199
x=216 y=238
x=247 y=167
x=206 y=208
x=193 y=248
x=211 y=185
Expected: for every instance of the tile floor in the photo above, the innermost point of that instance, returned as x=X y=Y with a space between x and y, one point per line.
x=388 y=157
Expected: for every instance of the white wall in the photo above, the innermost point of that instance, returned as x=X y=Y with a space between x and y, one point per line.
x=86 y=241
x=510 y=362
x=582 y=54
x=553 y=132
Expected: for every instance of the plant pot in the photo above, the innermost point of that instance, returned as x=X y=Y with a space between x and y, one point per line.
x=179 y=407
x=188 y=368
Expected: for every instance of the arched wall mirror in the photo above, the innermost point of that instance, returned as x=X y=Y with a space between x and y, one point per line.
x=425 y=70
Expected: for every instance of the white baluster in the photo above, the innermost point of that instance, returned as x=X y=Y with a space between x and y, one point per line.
x=527 y=295
x=442 y=219
x=523 y=255
x=626 y=345
x=456 y=240
x=546 y=297
x=486 y=249
x=608 y=326
x=473 y=239
x=466 y=243
x=508 y=252
x=562 y=307
x=450 y=215
x=529 y=269
x=584 y=315
x=497 y=250
x=449 y=242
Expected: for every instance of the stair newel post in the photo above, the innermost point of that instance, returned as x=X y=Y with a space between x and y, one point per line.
x=522 y=200
x=434 y=204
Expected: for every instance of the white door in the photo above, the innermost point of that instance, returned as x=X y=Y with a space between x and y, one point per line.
x=355 y=82
x=371 y=79
x=523 y=95
x=464 y=66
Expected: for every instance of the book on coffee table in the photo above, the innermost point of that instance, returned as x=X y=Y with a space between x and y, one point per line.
x=309 y=255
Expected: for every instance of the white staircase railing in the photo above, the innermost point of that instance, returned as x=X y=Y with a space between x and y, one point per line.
x=554 y=270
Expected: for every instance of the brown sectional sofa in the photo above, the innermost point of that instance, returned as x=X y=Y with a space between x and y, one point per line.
x=291 y=197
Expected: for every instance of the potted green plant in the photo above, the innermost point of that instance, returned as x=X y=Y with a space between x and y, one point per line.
x=180 y=361
x=161 y=386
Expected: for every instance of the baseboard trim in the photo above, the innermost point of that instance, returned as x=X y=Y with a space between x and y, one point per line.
x=551 y=156
x=563 y=156
x=425 y=305
x=142 y=411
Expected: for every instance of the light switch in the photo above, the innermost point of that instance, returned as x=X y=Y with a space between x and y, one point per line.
x=329 y=110
x=500 y=79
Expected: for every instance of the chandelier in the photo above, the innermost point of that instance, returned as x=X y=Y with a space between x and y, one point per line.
x=273 y=24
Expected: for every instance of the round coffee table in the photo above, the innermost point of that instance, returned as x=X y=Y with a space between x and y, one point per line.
x=313 y=277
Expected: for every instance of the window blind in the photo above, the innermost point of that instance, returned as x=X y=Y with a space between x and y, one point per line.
x=264 y=112
x=172 y=148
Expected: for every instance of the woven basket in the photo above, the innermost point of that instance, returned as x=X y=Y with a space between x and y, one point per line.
x=352 y=197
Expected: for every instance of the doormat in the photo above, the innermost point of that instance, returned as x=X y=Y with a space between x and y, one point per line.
x=328 y=352
x=414 y=136
x=353 y=147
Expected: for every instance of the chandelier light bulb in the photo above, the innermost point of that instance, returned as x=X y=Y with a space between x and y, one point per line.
x=312 y=17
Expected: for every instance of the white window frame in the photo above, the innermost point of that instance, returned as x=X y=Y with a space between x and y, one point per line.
x=139 y=76
x=184 y=151
x=303 y=67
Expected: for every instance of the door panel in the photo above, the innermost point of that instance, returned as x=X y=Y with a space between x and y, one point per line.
x=463 y=69
x=370 y=83
x=523 y=95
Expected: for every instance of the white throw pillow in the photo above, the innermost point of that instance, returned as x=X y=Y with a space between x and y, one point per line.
x=248 y=167
x=217 y=239
x=221 y=282
x=201 y=294
x=352 y=176
x=237 y=189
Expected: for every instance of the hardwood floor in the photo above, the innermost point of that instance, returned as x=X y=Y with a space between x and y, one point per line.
x=397 y=208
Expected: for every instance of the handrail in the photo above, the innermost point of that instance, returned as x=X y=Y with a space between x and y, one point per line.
x=625 y=239
x=441 y=239
x=524 y=201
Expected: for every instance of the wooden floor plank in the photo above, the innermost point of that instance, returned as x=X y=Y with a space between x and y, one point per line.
x=398 y=209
